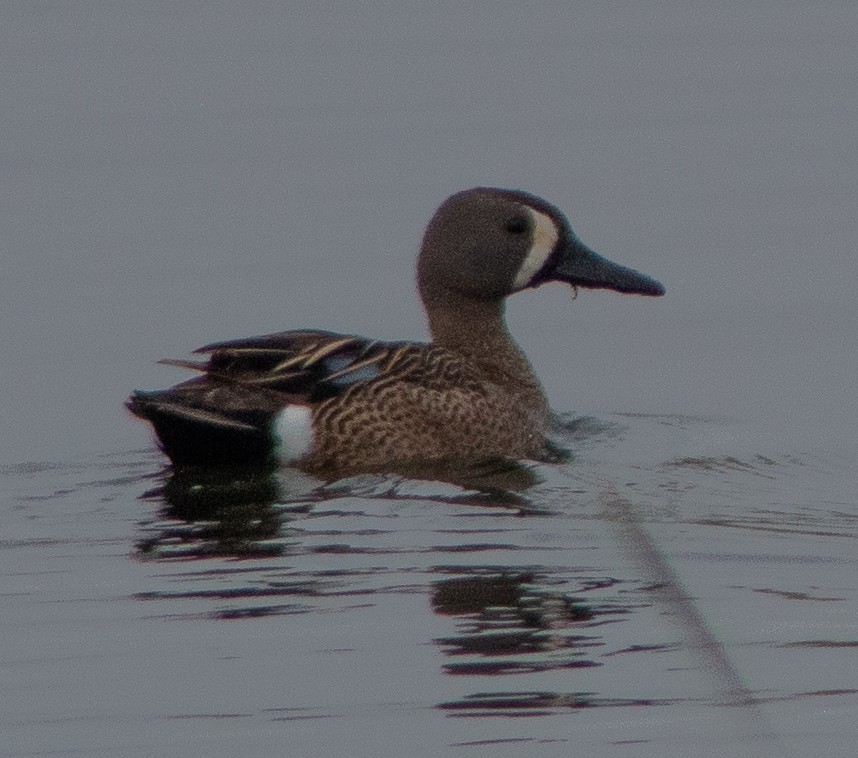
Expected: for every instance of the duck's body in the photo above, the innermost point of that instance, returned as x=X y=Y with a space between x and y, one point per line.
x=333 y=403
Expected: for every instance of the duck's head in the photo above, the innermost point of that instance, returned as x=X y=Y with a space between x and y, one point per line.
x=487 y=243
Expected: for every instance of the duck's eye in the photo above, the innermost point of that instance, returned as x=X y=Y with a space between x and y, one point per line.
x=516 y=225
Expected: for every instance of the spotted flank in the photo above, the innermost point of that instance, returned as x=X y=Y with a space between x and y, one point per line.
x=333 y=404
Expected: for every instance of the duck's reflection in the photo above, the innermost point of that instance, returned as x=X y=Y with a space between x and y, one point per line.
x=242 y=512
x=315 y=547
x=210 y=512
x=519 y=622
x=512 y=622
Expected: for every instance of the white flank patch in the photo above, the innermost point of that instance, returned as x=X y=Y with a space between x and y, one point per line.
x=293 y=431
x=544 y=239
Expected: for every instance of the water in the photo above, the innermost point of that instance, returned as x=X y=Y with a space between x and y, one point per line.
x=627 y=601
x=682 y=585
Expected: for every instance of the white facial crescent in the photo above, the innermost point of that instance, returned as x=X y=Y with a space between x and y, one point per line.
x=545 y=237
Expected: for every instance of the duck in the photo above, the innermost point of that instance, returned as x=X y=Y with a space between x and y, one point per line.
x=337 y=404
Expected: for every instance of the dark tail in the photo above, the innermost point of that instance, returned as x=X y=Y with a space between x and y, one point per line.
x=193 y=436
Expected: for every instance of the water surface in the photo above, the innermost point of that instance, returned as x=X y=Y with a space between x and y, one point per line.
x=658 y=591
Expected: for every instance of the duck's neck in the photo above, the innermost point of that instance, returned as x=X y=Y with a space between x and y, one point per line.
x=477 y=329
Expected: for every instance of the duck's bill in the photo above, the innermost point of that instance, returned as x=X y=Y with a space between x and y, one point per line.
x=579 y=266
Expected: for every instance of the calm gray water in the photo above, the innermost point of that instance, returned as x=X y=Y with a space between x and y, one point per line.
x=628 y=604
x=179 y=173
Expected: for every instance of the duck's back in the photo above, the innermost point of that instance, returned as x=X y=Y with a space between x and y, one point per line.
x=337 y=402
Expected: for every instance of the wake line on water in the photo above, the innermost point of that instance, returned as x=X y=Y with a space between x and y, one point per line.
x=698 y=637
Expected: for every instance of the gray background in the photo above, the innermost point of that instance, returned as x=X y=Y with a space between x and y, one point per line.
x=176 y=173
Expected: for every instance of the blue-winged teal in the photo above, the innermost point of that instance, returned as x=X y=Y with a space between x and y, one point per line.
x=333 y=403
